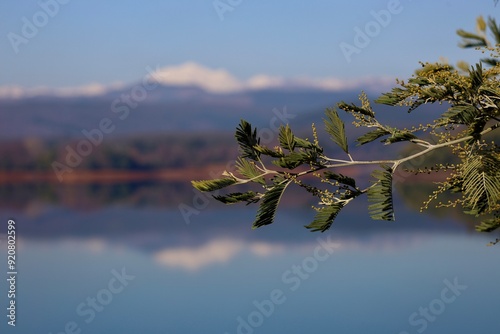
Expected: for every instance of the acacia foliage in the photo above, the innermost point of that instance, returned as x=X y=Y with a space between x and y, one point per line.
x=471 y=100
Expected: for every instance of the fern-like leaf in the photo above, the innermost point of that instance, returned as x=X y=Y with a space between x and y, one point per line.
x=476 y=76
x=267 y=151
x=306 y=144
x=488 y=225
x=495 y=29
x=398 y=136
x=490 y=61
x=354 y=108
x=269 y=205
x=249 y=197
x=336 y=129
x=460 y=114
x=471 y=40
x=381 y=195
x=325 y=216
x=212 y=185
x=248 y=169
x=371 y=136
x=481 y=183
x=286 y=138
x=247 y=139
x=295 y=159
x=394 y=97
x=341 y=178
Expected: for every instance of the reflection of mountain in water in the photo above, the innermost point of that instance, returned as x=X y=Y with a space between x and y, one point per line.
x=90 y=197
x=179 y=130
x=147 y=216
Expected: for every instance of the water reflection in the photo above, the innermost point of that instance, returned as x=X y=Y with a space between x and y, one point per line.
x=215 y=251
x=209 y=275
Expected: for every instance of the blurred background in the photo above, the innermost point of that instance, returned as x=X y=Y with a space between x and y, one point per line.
x=109 y=109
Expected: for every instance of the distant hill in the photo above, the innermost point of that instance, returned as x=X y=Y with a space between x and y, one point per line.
x=168 y=127
x=169 y=109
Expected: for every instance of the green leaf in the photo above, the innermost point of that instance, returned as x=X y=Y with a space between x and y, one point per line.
x=249 y=197
x=461 y=114
x=269 y=205
x=267 y=151
x=470 y=39
x=392 y=98
x=398 y=136
x=495 y=29
x=341 y=178
x=492 y=92
x=247 y=139
x=335 y=128
x=419 y=81
x=353 y=108
x=490 y=61
x=286 y=138
x=476 y=76
x=248 y=169
x=306 y=144
x=295 y=159
x=324 y=217
x=465 y=34
x=481 y=183
x=488 y=225
x=371 y=136
x=381 y=195
x=435 y=93
x=466 y=44
x=215 y=184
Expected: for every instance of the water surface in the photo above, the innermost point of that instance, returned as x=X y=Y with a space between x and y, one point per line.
x=213 y=274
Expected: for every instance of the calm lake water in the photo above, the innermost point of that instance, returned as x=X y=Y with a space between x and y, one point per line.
x=116 y=260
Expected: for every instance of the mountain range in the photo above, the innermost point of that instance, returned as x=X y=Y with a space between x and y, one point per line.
x=186 y=98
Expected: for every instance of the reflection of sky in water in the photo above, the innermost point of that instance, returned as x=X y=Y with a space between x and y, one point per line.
x=200 y=278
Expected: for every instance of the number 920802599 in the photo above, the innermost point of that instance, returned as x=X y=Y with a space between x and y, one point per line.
x=11 y=245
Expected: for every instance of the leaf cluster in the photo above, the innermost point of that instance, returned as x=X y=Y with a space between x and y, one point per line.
x=471 y=102
x=480 y=39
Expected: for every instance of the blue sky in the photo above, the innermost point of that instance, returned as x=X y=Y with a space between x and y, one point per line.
x=90 y=41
